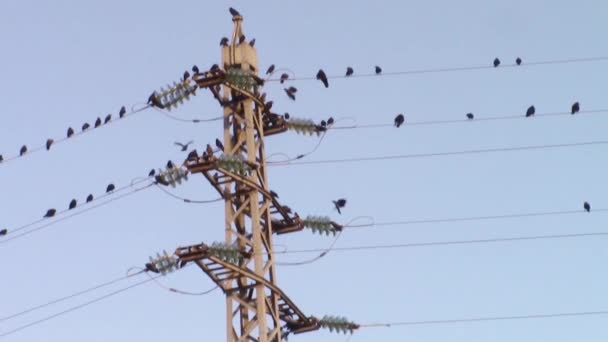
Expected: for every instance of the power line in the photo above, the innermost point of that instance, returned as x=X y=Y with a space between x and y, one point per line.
x=443 y=154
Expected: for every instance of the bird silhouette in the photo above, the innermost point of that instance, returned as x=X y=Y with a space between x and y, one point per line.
x=286 y=116
x=399 y=120
x=290 y=94
x=323 y=123
x=85 y=126
x=122 y=112
x=184 y=146
x=97 y=122
x=518 y=61
x=531 y=110
x=49 y=142
x=23 y=150
x=252 y=42
x=3 y=232
x=378 y=70
x=234 y=12
x=470 y=116
x=349 y=71
x=170 y=164
x=107 y=119
x=330 y=121
x=284 y=77
x=323 y=78
x=110 y=188
x=195 y=69
x=90 y=198
x=224 y=41
x=50 y=213
x=270 y=69
x=576 y=107
x=215 y=67
x=186 y=75
x=268 y=105
x=1 y=158
x=242 y=39
x=219 y=145
x=192 y=155
x=70 y=132
x=587 y=206
x=339 y=203
x=73 y=204
x=209 y=150
x=496 y=62
x=151 y=173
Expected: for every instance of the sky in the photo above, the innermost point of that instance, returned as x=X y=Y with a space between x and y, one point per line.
x=64 y=63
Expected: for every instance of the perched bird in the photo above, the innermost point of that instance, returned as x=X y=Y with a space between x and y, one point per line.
x=195 y=69
x=90 y=198
x=284 y=77
x=215 y=67
x=268 y=105
x=85 y=126
x=292 y=89
x=496 y=62
x=186 y=75
x=72 y=204
x=576 y=107
x=349 y=71
x=192 y=155
x=3 y=232
x=518 y=61
x=252 y=42
x=97 y=122
x=224 y=41
x=270 y=69
x=587 y=206
x=340 y=203
x=290 y=94
x=323 y=78
x=531 y=110
x=49 y=142
x=184 y=146
x=23 y=150
x=286 y=116
x=170 y=165
x=1 y=158
x=470 y=116
x=50 y=213
x=323 y=123
x=110 y=188
x=330 y=121
x=151 y=173
x=70 y=131
x=219 y=145
x=234 y=12
x=107 y=119
x=122 y=112
x=274 y=194
x=242 y=39
x=399 y=120
x=378 y=70
x=209 y=150
x=154 y=101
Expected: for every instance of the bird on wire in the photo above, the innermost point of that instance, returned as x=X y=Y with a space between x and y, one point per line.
x=70 y=132
x=170 y=165
x=50 y=213
x=195 y=69
x=219 y=145
x=234 y=12
x=151 y=173
x=518 y=61
x=90 y=198
x=110 y=188
x=470 y=116
x=587 y=206
x=49 y=143
x=97 y=122
x=496 y=62
x=23 y=150
x=122 y=112
x=284 y=77
x=339 y=203
x=399 y=120
x=73 y=204
x=270 y=69
x=223 y=42
x=378 y=70
x=323 y=78
x=530 y=112
x=349 y=72
x=576 y=107
x=107 y=119
x=184 y=146
x=85 y=126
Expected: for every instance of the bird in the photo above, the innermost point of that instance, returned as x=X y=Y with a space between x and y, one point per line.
x=72 y=204
x=192 y=155
x=195 y=69
x=399 y=120
x=224 y=41
x=184 y=146
x=242 y=39
x=170 y=164
x=587 y=206
x=85 y=126
x=107 y=119
x=234 y=12
x=576 y=107
x=349 y=71
x=154 y=101
x=286 y=116
x=122 y=112
x=270 y=69
x=274 y=194
x=531 y=110
x=378 y=70
x=339 y=203
x=49 y=142
x=323 y=123
x=23 y=150
x=3 y=232
x=323 y=78
x=110 y=188
x=219 y=145
x=90 y=198
x=496 y=62
x=292 y=89
x=290 y=94
x=70 y=132
x=214 y=67
x=284 y=77
x=151 y=173
x=268 y=105
x=209 y=150
x=1 y=158
x=252 y=42
x=330 y=121
x=97 y=122
x=50 y=213
x=186 y=75
x=518 y=61
x=470 y=116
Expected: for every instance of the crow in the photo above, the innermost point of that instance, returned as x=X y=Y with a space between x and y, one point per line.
x=268 y=105
x=73 y=204
x=270 y=69
x=184 y=146
x=224 y=41
x=323 y=123
x=252 y=42
x=219 y=145
x=151 y=173
x=286 y=116
x=23 y=150
x=195 y=69
x=290 y=94
x=323 y=78
x=193 y=155
x=186 y=75
x=49 y=142
x=399 y=120
x=170 y=165
x=110 y=188
x=470 y=116
x=234 y=12
x=576 y=107
x=242 y=39
x=531 y=110
x=3 y=232
x=340 y=203
x=50 y=213
x=518 y=61
x=496 y=62
x=349 y=71
x=284 y=77
x=90 y=198
x=378 y=70
x=70 y=131
x=107 y=119
x=97 y=122
x=587 y=206
x=122 y=112
x=330 y=121
x=215 y=67
x=85 y=126
x=1 y=158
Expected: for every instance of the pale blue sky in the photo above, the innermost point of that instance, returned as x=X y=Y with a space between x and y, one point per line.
x=67 y=62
